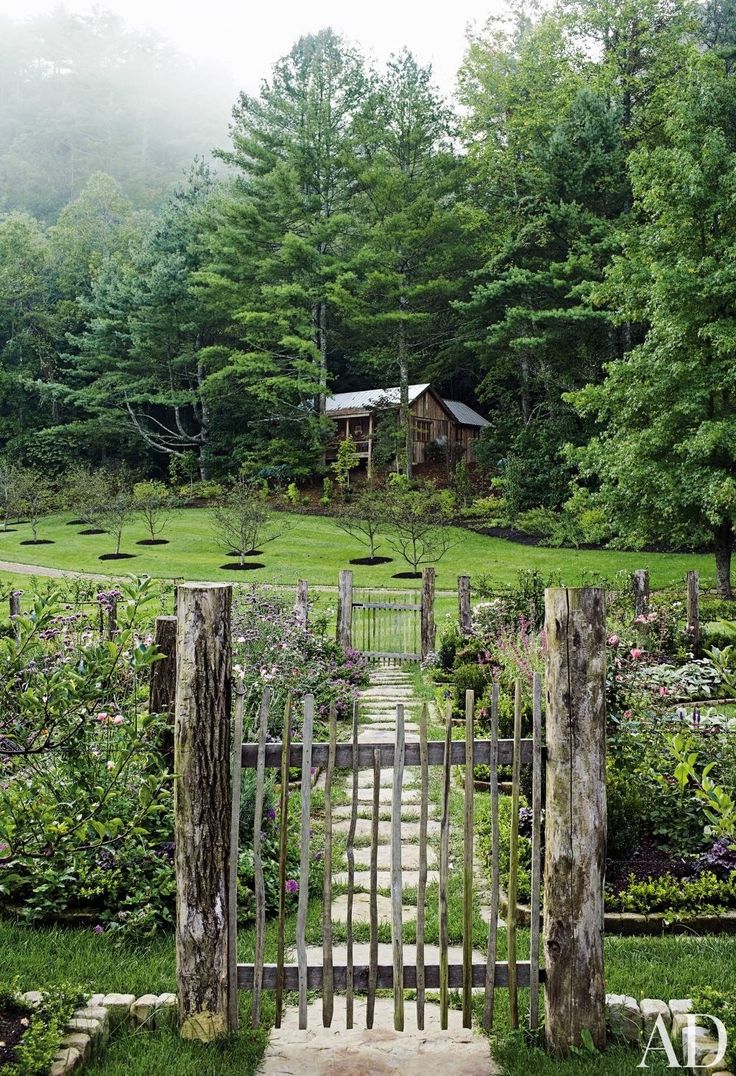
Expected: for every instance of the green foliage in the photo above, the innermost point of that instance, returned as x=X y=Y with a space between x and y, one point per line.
x=716 y=1002
x=469 y=678
x=347 y=460
x=35 y=1052
x=676 y=897
x=484 y=842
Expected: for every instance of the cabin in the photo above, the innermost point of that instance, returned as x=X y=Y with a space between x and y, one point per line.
x=435 y=422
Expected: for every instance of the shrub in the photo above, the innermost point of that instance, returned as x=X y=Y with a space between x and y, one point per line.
x=469 y=678
x=485 y=842
x=716 y=1003
x=676 y=897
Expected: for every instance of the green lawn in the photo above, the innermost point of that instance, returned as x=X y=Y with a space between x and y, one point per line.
x=643 y=967
x=312 y=548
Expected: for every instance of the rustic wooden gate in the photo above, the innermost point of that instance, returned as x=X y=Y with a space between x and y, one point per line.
x=389 y=629
x=399 y=976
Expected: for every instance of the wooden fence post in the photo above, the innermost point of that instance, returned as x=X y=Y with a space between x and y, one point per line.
x=640 y=587
x=302 y=602
x=575 y=818
x=14 y=602
x=162 y=689
x=345 y=608
x=427 y=614
x=463 y=603
x=693 y=606
x=202 y=807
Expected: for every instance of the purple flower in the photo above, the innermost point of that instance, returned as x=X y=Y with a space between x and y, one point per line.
x=292 y=886
x=271 y=813
x=99 y=929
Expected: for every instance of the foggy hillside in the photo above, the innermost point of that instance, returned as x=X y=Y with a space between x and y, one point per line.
x=84 y=94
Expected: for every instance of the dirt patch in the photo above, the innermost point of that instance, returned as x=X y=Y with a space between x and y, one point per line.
x=371 y=560
x=241 y=567
x=14 y=1023
x=92 y=530
x=250 y=553
x=647 y=862
x=116 y=556
x=407 y=575
x=153 y=541
x=38 y=541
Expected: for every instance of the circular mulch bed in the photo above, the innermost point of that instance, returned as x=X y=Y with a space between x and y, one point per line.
x=92 y=530
x=38 y=541
x=116 y=556
x=241 y=567
x=7 y=530
x=153 y=541
x=407 y=575
x=250 y=553
x=371 y=560
x=76 y=522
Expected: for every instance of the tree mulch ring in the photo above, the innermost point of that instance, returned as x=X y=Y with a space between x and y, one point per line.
x=153 y=541
x=250 y=553
x=407 y=575
x=38 y=541
x=92 y=530
x=7 y=530
x=76 y=522
x=117 y=556
x=647 y=861
x=372 y=560
x=241 y=567
x=14 y=1023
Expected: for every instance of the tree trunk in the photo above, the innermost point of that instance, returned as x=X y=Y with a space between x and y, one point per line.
x=575 y=828
x=404 y=415
x=724 y=542
x=202 y=808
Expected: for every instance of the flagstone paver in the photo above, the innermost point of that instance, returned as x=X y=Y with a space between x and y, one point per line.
x=335 y=1051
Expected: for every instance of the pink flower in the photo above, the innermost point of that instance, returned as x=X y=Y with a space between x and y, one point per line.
x=635 y=653
x=102 y=716
x=640 y=619
x=652 y=617
x=118 y=719
x=111 y=765
x=664 y=691
x=627 y=713
x=613 y=640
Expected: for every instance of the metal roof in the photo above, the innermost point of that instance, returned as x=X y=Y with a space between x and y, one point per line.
x=367 y=398
x=465 y=415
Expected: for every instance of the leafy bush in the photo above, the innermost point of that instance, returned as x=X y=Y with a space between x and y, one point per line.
x=720 y=859
x=719 y=633
x=469 y=678
x=716 y=1003
x=35 y=1052
x=540 y=522
x=484 y=839
x=676 y=897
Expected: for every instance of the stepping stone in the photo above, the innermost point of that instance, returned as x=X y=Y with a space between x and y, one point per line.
x=365 y=779
x=361 y=954
x=409 y=830
x=385 y=795
x=410 y=879
x=380 y=1052
x=361 y=909
x=409 y=857
x=384 y=736
x=365 y=811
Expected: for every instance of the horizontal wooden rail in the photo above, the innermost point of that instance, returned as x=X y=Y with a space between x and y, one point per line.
x=385 y=976
x=435 y=753
x=396 y=606
x=393 y=654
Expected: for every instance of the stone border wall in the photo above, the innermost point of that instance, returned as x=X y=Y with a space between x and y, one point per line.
x=89 y=1027
x=633 y=1022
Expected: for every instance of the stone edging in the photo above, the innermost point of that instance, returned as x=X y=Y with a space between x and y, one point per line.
x=630 y=923
x=89 y=1027
x=633 y=1021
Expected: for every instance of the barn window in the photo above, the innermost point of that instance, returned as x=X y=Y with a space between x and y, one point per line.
x=422 y=430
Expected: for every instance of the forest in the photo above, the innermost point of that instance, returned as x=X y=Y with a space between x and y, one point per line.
x=555 y=248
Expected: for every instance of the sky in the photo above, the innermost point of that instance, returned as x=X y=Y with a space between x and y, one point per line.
x=244 y=38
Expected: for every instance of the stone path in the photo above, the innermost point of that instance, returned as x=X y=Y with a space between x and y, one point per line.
x=334 y=1051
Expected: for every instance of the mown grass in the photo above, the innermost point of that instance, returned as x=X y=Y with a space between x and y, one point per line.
x=312 y=548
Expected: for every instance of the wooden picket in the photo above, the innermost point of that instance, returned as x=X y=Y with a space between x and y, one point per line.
x=390 y=630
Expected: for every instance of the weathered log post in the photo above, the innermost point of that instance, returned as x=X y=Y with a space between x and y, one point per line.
x=693 y=607
x=301 y=609
x=202 y=807
x=345 y=608
x=14 y=602
x=463 y=604
x=427 y=613
x=162 y=688
x=640 y=588
x=575 y=817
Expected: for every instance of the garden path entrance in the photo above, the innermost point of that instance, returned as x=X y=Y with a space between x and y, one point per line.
x=334 y=1051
